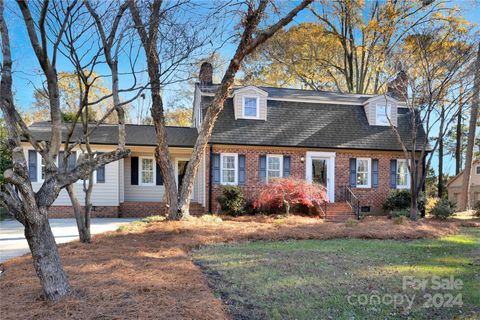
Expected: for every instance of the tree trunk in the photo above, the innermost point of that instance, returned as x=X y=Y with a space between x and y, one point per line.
x=46 y=258
x=83 y=230
x=458 y=137
x=465 y=193
x=440 y=186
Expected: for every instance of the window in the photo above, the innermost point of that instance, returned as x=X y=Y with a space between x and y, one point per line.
x=228 y=167
x=402 y=174
x=250 y=107
x=363 y=173
x=147 y=171
x=478 y=169
x=382 y=114
x=274 y=166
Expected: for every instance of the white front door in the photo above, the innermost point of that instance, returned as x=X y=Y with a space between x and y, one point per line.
x=180 y=167
x=320 y=168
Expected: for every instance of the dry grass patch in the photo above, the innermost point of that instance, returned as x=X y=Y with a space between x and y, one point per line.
x=146 y=272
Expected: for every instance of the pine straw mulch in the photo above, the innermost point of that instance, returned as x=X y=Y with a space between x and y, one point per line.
x=148 y=274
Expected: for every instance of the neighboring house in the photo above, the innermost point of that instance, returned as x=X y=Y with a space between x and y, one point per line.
x=455 y=185
x=338 y=140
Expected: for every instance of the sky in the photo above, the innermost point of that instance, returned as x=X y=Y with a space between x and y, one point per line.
x=26 y=68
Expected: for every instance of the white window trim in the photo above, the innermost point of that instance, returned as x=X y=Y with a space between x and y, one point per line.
x=39 y=167
x=369 y=173
x=140 y=167
x=257 y=116
x=399 y=186
x=281 y=163
x=236 y=169
x=388 y=110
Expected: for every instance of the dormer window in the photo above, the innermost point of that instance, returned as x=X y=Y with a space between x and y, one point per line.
x=250 y=107
x=383 y=113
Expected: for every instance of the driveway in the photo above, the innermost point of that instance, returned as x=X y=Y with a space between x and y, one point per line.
x=13 y=243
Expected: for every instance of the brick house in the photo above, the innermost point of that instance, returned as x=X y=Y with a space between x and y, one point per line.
x=343 y=141
x=455 y=185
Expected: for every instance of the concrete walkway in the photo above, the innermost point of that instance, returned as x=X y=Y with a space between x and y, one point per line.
x=13 y=243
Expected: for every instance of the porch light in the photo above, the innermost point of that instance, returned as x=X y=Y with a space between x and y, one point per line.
x=302 y=159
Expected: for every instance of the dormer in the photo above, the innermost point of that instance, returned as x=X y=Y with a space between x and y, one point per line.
x=250 y=103
x=381 y=110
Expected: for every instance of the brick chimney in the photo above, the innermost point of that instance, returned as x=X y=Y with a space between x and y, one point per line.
x=206 y=74
x=397 y=88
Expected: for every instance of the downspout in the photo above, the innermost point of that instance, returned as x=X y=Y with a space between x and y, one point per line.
x=210 y=179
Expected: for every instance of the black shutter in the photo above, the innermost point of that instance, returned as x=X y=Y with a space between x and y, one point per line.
x=32 y=165
x=393 y=173
x=286 y=166
x=375 y=173
x=159 y=176
x=134 y=170
x=241 y=169
x=263 y=168
x=216 y=168
x=353 y=172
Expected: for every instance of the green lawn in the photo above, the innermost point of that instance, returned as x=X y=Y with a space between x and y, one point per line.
x=314 y=279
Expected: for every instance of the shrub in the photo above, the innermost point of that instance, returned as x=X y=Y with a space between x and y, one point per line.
x=400 y=220
x=351 y=222
x=443 y=209
x=287 y=192
x=232 y=200
x=399 y=213
x=249 y=208
x=398 y=199
x=430 y=204
x=476 y=207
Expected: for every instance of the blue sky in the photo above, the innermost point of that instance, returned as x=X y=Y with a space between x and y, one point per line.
x=27 y=70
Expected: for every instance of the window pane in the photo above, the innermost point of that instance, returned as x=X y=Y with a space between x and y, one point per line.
x=147 y=170
x=228 y=176
x=402 y=173
x=274 y=163
x=478 y=169
x=362 y=179
x=229 y=162
x=250 y=107
x=43 y=168
x=381 y=112
x=362 y=165
x=147 y=177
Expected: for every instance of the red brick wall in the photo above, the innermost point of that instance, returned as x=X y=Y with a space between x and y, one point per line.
x=252 y=177
x=144 y=209
x=67 y=212
x=373 y=197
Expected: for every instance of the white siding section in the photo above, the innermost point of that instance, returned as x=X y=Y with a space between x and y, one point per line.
x=121 y=180
x=371 y=109
x=145 y=193
x=103 y=194
x=250 y=92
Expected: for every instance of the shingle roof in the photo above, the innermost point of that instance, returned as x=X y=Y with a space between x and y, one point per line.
x=139 y=135
x=298 y=94
x=313 y=125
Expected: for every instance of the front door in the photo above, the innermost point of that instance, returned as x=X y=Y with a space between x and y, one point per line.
x=319 y=171
x=320 y=168
x=180 y=169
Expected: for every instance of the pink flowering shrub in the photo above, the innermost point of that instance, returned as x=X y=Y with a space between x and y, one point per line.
x=286 y=192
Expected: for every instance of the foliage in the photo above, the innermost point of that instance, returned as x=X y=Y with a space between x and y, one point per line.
x=430 y=204
x=443 y=209
x=398 y=199
x=400 y=219
x=286 y=192
x=70 y=90
x=181 y=116
x=476 y=207
x=399 y=213
x=232 y=200
x=351 y=222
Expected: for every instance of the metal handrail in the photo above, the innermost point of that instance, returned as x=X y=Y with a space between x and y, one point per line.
x=353 y=201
